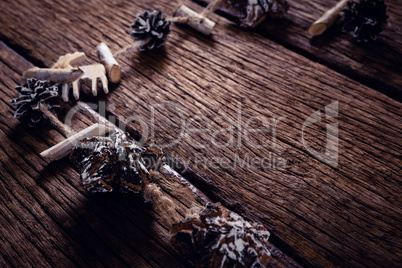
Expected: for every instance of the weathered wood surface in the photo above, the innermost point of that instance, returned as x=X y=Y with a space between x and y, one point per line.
x=322 y=216
x=378 y=64
x=47 y=218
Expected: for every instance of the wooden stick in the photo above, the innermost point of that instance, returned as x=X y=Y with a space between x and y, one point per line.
x=63 y=149
x=53 y=75
x=326 y=20
x=195 y=20
x=106 y=58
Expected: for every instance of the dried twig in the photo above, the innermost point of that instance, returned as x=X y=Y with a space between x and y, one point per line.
x=106 y=58
x=195 y=20
x=53 y=75
x=63 y=149
x=326 y=20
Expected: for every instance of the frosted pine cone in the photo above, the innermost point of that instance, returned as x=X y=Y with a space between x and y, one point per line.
x=221 y=238
x=31 y=97
x=364 y=20
x=253 y=12
x=113 y=163
x=150 y=28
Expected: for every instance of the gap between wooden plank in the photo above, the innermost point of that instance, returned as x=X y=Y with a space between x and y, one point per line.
x=276 y=253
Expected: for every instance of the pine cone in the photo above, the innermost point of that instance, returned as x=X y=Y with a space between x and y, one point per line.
x=152 y=29
x=253 y=12
x=31 y=97
x=221 y=238
x=113 y=163
x=364 y=20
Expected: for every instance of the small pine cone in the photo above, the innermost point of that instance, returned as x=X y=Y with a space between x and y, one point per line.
x=112 y=163
x=253 y=12
x=364 y=20
x=152 y=29
x=31 y=97
x=221 y=238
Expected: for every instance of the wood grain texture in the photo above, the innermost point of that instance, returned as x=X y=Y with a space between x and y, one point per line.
x=323 y=216
x=46 y=217
x=48 y=220
x=375 y=64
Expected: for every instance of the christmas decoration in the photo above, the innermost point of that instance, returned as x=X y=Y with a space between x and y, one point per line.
x=110 y=63
x=196 y=21
x=32 y=97
x=254 y=12
x=221 y=238
x=112 y=163
x=214 y=237
x=151 y=29
x=250 y=13
x=365 y=20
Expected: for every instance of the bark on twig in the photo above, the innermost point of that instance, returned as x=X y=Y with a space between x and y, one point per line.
x=326 y=20
x=195 y=20
x=53 y=75
x=106 y=58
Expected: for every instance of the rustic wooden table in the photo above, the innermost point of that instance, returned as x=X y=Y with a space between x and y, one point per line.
x=271 y=78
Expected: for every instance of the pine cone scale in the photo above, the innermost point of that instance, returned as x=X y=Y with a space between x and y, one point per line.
x=150 y=28
x=111 y=163
x=31 y=97
x=364 y=20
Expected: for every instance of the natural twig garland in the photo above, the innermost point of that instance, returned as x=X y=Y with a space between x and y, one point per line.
x=117 y=163
x=218 y=237
x=65 y=73
x=212 y=236
x=150 y=30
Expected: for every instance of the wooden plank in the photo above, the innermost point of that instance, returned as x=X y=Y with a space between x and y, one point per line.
x=375 y=64
x=79 y=229
x=357 y=192
x=347 y=215
x=49 y=220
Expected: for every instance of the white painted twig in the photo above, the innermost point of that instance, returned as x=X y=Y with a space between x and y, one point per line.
x=63 y=149
x=106 y=58
x=195 y=20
